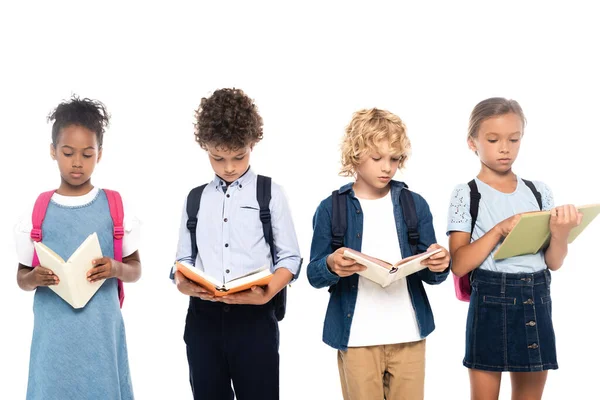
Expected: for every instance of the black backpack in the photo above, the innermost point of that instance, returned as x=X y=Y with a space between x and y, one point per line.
x=263 y=196
x=339 y=221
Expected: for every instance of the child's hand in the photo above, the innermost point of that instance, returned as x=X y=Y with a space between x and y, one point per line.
x=439 y=261
x=103 y=268
x=562 y=220
x=256 y=295
x=507 y=225
x=190 y=288
x=341 y=266
x=40 y=276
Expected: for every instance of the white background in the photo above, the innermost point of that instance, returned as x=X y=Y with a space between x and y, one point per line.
x=308 y=65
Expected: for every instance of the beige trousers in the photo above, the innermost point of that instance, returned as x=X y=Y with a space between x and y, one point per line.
x=391 y=372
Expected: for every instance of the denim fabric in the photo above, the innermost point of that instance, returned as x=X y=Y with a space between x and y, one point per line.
x=509 y=325
x=78 y=354
x=342 y=300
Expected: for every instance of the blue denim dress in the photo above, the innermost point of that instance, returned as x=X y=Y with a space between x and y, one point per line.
x=509 y=324
x=78 y=354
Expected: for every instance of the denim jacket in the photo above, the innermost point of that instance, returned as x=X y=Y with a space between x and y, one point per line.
x=343 y=291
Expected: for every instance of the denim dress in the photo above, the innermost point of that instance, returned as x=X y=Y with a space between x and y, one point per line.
x=78 y=354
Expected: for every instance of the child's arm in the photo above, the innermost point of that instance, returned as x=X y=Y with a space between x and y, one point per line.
x=287 y=254
x=30 y=278
x=467 y=256
x=325 y=268
x=562 y=220
x=129 y=270
x=437 y=266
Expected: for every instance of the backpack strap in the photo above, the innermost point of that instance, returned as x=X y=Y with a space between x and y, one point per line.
x=191 y=208
x=409 y=212
x=474 y=206
x=338 y=220
x=37 y=219
x=538 y=196
x=263 y=196
x=115 y=205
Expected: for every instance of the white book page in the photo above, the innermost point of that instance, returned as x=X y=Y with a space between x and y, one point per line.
x=73 y=287
x=374 y=272
x=249 y=277
x=49 y=259
x=200 y=273
x=78 y=265
x=412 y=266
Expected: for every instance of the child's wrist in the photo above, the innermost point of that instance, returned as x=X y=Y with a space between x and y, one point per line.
x=118 y=269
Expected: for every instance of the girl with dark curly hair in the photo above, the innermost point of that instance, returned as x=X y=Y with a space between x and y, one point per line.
x=78 y=353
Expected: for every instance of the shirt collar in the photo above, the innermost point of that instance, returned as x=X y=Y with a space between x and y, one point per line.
x=348 y=187
x=240 y=183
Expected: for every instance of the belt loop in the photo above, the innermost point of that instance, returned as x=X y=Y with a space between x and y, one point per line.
x=503 y=285
x=547 y=277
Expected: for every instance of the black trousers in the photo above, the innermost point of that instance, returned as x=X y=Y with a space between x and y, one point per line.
x=232 y=344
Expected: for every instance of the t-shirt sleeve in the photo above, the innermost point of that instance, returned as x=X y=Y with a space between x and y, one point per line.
x=459 y=216
x=132 y=226
x=23 y=242
x=547 y=196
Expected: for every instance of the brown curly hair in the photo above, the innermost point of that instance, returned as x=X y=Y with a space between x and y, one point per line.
x=228 y=119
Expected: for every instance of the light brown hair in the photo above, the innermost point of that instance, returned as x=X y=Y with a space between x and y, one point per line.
x=492 y=107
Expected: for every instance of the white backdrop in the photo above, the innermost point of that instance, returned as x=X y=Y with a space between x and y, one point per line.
x=308 y=65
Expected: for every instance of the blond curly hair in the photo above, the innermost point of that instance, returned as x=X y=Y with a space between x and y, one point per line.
x=367 y=128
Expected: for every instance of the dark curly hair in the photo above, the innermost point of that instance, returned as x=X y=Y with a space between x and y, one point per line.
x=90 y=114
x=228 y=119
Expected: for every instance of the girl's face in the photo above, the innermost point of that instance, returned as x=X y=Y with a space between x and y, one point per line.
x=229 y=165
x=498 y=141
x=77 y=154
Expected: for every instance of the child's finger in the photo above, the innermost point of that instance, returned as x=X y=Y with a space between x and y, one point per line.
x=100 y=261
x=97 y=273
x=43 y=270
x=355 y=268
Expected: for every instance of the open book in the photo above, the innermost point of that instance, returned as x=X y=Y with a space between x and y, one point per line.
x=385 y=273
x=532 y=233
x=74 y=288
x=259 y=277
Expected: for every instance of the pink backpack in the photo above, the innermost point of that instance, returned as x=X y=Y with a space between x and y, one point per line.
x=115 y=205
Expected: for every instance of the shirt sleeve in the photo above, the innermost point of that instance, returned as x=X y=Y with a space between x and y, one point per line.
x=459 y=215
x=547 y=196
x=287 y=250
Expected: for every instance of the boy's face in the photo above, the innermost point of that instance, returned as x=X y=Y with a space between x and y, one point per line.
x=77 y=154
x=229 y=165
x=498 y=141
x=378 y=167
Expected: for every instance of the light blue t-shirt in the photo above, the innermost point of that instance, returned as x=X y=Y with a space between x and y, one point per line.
x=494 y=207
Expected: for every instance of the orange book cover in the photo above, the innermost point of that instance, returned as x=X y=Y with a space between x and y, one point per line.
x=259 y=277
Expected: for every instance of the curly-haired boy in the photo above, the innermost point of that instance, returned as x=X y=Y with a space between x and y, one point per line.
x=234 y=339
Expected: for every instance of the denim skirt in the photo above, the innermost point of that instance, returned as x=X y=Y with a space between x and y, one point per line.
x=509 y=324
